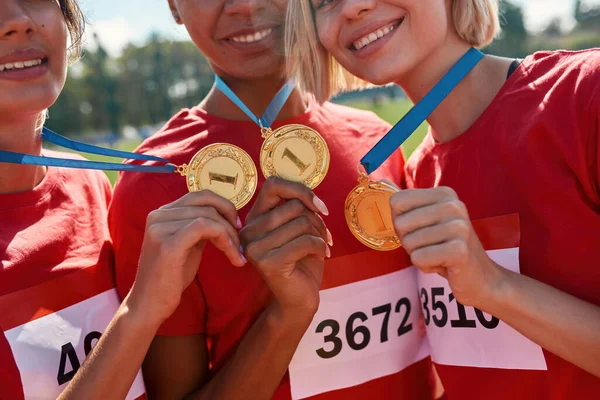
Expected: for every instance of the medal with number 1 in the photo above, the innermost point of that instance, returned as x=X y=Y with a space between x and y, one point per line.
x=367 y=208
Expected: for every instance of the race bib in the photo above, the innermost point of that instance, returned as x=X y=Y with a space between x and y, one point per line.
x=465 y=336
x=50 y=346
x=362 y=331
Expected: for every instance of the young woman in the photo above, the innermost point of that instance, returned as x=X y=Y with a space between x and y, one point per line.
x=57 y=293
x=514 y=144
x=237 y=330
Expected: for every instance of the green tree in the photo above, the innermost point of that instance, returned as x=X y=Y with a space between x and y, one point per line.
x=514 y=36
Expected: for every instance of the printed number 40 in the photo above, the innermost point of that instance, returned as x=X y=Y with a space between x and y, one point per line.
x=68 y=352
x=365 y=335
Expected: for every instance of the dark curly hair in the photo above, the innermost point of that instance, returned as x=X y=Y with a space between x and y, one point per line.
x=75 y=24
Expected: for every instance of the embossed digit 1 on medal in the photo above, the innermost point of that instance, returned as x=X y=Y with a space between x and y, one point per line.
x=369 y=216
x=296 y=153
x=224 y=169
x=367 y=208
x=293 y=152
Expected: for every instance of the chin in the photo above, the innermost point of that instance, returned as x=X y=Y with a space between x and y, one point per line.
x=28 y=104
x=376 y=77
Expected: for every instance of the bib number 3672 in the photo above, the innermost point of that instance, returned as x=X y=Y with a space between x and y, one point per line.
x=358 y=336
x=362 y=331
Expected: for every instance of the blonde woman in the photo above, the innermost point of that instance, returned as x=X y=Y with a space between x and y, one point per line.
x=514 y=141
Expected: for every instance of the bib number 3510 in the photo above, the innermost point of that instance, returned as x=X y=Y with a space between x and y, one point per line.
x=435 y=310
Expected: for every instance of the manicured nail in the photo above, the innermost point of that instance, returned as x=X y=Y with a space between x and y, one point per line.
x=329 y=238
x=239 y=223
x=328 y=252
x=244 y=259
x=320 y=205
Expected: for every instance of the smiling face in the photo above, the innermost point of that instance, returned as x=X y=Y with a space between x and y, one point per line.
x=240 y=38
x=381 y=41
x=33 y=55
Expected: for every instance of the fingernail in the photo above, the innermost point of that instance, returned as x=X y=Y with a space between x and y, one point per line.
x=320 y=205
x=328 y=252
x=239 y=223
x=329 y=238
x=244 y=259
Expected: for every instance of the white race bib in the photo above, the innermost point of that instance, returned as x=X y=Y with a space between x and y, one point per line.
x=468 y=337
x=49 y=350
x=362 y=331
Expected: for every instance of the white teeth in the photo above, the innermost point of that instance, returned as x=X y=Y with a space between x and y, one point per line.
x=373 y=36
x=20 y=65
x=253 y=37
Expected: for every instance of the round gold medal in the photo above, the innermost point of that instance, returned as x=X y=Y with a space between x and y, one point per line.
x=296 y=153
x=369 y=216
x=224 y=169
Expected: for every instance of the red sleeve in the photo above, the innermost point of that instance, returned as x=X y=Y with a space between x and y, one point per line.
x=590 y=89
x=135 y=196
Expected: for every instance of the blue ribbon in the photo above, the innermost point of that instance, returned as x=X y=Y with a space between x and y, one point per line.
x=419 y=113
x=55 y=138
x=273 y=108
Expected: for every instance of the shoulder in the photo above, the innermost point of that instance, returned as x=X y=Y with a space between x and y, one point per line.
x=575 y=72
x=180 y=128
x=90 y=181
x=171 y=142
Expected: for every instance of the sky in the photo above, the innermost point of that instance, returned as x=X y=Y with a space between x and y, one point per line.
x=118 y=22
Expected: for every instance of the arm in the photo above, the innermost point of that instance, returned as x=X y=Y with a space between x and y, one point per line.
x=173 y=244
x=287 y=245
x=176 y=367
x=436 y=231
x=561 y=323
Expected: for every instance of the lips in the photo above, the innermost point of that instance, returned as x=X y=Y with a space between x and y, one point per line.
x=251 y=35
x=23 y=55
x=373 y=32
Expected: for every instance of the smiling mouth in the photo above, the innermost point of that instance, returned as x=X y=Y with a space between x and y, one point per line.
x=253 y=37
x=375 y=35
x=20 y=65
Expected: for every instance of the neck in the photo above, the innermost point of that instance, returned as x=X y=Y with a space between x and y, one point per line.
x=467 y=101
x=20 y=134
x=256 y=94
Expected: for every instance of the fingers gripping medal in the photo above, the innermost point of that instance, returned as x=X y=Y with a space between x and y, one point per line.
x=224 y=169
x=293 y=152
x=367 y=209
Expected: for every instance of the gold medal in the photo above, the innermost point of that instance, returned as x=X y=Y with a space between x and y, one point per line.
x=369 y=216
x=224 y=169
x=296 y=153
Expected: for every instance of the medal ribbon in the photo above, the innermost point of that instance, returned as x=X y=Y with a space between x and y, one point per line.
x=419 y=113
x=55 y=138
x=273 y=108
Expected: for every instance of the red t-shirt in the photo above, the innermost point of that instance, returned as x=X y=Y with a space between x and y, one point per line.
x=533 y=152
x=223 y=302
x=57 y=291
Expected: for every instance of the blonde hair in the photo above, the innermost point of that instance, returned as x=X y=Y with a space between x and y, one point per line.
x=317 y=72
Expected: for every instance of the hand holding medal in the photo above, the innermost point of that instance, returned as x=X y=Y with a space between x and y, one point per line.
x=292 y=152
x=367 y=208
